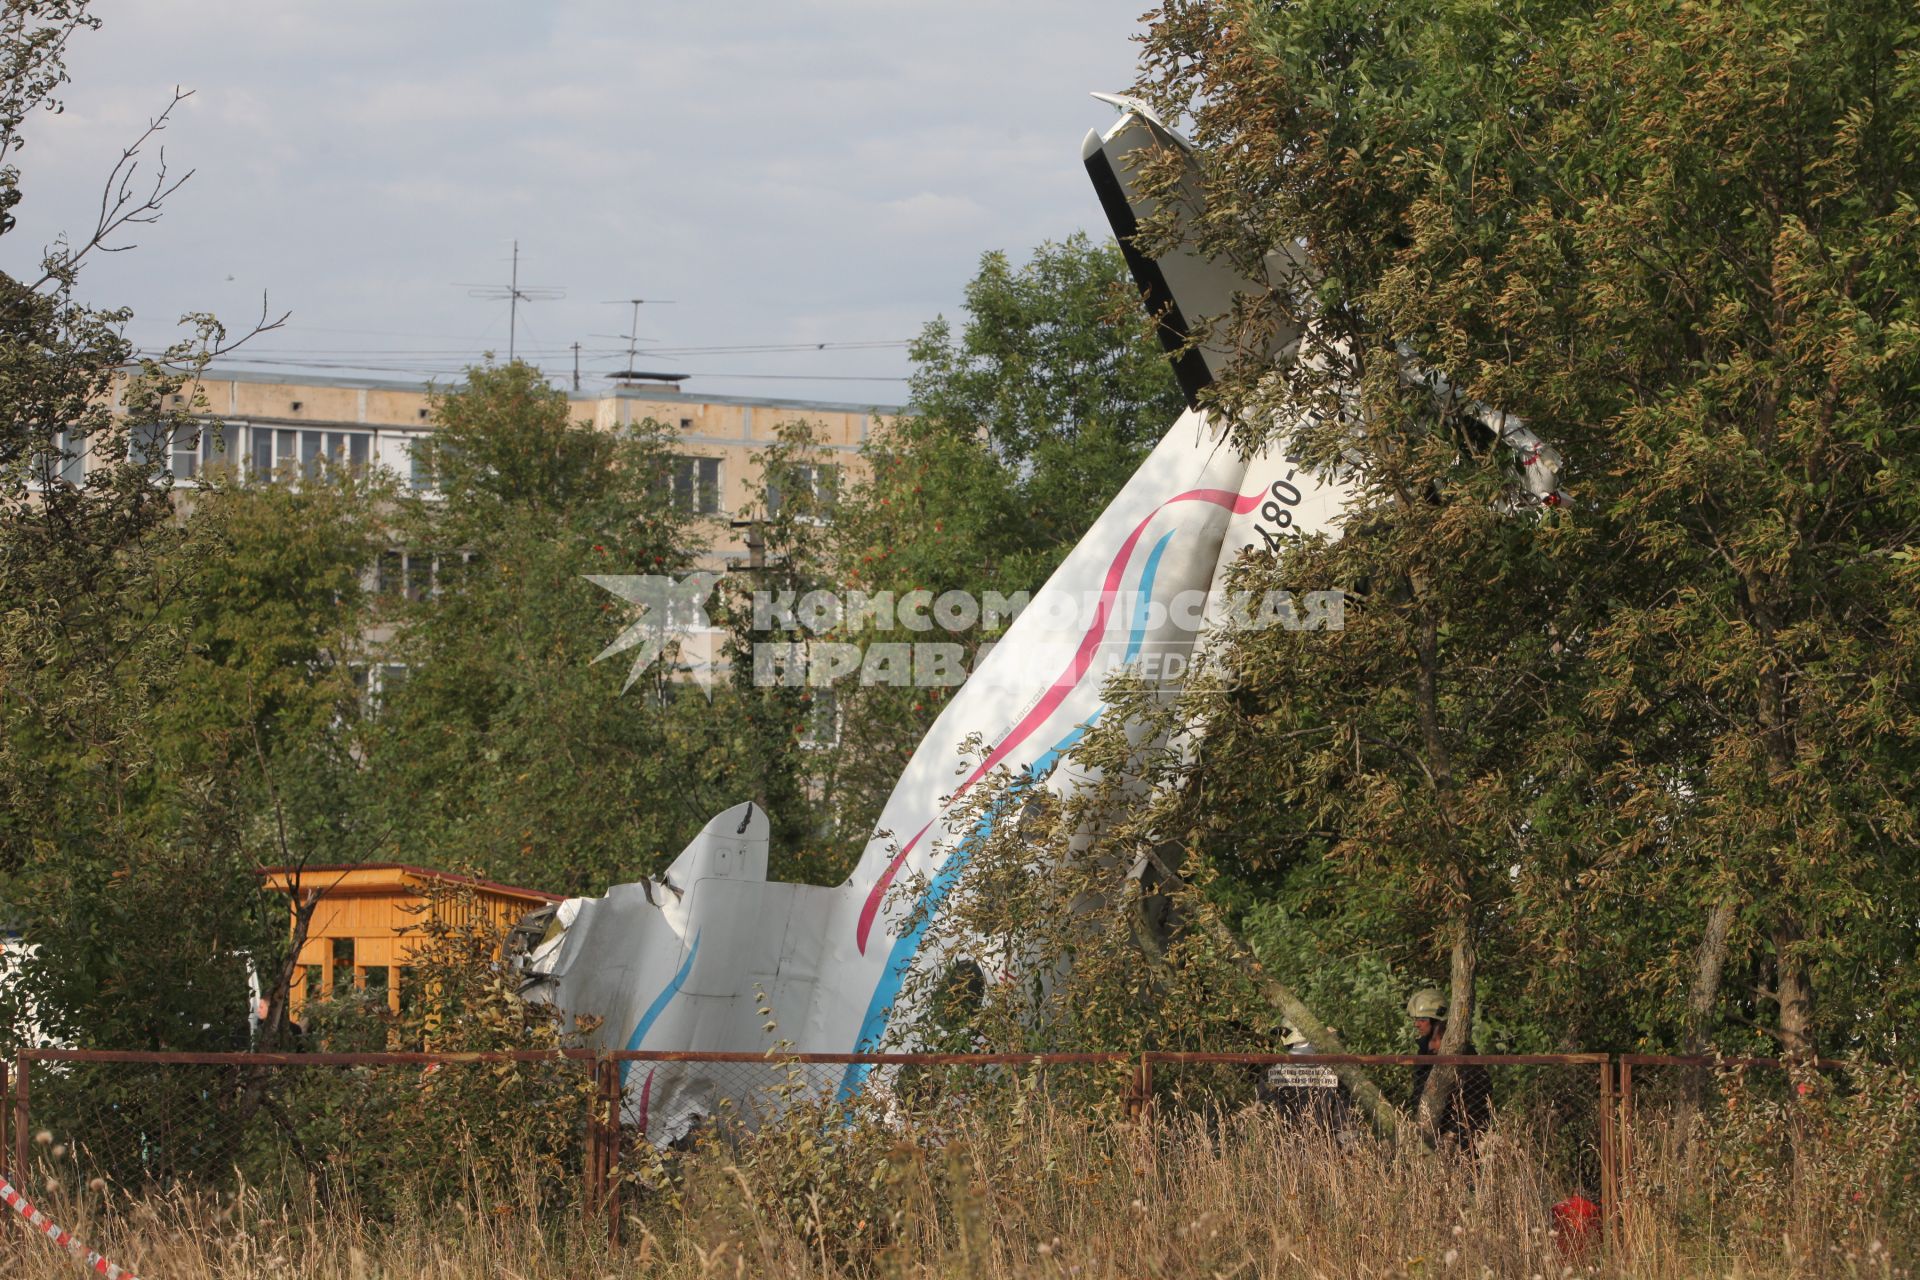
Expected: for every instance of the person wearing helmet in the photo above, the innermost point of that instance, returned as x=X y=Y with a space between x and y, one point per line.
x=1470 y=1107
x=1304 y=1092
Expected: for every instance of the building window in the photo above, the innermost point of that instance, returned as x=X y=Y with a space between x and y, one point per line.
x=148 y=444
x=273 y=454
x=389 y=573
x=426 y=463
x=184 y=459
x=261 y=453
x=374 y=684
x=695 y=484
x=181 y=450
x=220 y=446
x=414 y=574
x=419 y=575
x=818 y=482
x=821 y=728
x=342 y=965
x=70 y=461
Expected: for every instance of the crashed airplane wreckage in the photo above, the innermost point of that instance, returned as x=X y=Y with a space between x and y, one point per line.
x=685 y=961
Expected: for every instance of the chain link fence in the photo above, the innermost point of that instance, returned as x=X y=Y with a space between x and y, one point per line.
x=368 y=1127
x=1713 y=1137
x=574 y=1130
x=674 y=1100
x=1550 y=1105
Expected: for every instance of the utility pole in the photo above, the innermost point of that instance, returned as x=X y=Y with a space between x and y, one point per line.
x=576 y=366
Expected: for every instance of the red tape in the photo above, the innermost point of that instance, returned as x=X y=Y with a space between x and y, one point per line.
x=60 y=1235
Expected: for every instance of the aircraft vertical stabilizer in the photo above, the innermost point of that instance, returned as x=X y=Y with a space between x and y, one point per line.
x=682 y=962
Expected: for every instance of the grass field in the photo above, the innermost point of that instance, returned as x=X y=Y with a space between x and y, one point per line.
x=1046 y=1192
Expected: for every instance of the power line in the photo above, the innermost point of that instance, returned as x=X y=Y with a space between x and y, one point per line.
x=421 y=367
x=397 y=333
x=735 y=349
x=772 y=348
x=806 y=377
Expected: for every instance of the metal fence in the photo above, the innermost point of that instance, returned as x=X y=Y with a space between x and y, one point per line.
x=563 y=1127
x=1557 y=1105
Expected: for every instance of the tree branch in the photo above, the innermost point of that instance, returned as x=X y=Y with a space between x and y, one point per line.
x=1383 y=1115
x=120 y=206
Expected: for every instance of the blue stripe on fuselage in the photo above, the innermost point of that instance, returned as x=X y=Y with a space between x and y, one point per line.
x=660 y=1002
x=901 y=956
x=1144 y=600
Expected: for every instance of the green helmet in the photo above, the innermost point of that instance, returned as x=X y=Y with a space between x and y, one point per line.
x=1427 y=1002
x=1291 y=1036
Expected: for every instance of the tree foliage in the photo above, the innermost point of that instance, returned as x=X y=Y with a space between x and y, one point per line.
x=102 y=815
x=507 y=748
x=1632 y=770
x=1598 y=757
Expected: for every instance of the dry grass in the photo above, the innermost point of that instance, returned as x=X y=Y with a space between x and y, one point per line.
x=1040 y=1192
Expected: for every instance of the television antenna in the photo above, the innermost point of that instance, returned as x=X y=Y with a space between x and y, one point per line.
x=632 y=335
x=513 y=294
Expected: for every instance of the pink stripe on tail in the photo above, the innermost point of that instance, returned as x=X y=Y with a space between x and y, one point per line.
x=1057 y=693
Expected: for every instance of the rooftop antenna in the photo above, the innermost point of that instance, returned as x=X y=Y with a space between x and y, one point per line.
x=513 y=295
x=632 y=335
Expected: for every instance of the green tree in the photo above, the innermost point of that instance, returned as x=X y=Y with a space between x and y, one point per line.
x=507 y=748
x=782 y=722
x=127 y=871
x=1658 y=737
x=247 y=747
x=1057 y=374
x=274 y=609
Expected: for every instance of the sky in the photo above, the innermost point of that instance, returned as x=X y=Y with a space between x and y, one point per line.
x=790 y=172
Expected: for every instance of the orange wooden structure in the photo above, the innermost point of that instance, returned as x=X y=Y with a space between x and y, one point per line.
x=367 y=923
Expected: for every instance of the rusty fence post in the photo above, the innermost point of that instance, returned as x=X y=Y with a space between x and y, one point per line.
x=6 y=1107
x=1627 y=1121
x=1609 y=1149
x=21 y=1121
x=6 y=1115
x=591 y=1168
x=1142 y=1100
x=611 y=1097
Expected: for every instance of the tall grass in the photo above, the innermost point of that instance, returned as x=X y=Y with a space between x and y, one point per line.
x=1022 y=1188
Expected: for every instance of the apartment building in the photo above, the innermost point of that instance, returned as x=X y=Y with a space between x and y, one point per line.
x=274 y=421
